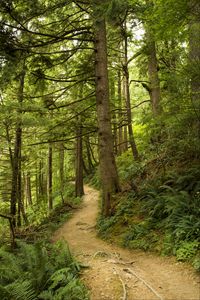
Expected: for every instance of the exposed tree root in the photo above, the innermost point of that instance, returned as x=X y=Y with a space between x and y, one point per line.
x=124 y=297
x=144 y=282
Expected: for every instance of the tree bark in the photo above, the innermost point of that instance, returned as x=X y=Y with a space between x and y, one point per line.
x=79 y=190
x=50 y=177
x=120 y=115
x=61 y=169
x=128 y=98
x=41 y=180
x=108 y=170
x=89 y=155
x=114 y=117
x=16 y=158
x=15 y=177
x=28 y=189
x=154 y=88
x=125 y=119
x=194 y=56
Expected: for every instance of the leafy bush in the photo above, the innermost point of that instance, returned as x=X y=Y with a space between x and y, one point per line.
x=196 y=262
x=187 y=250
x=40 y=271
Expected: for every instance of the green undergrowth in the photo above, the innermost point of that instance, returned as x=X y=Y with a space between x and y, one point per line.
x=40 y=272
x=159 y=209
x=41 y=222
x=37 y=269
x=38 y=213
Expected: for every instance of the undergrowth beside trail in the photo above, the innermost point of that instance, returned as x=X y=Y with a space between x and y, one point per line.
x=40 y=272
x=159 y=209
x=37 y=269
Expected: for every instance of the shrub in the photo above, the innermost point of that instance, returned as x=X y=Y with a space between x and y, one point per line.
x=187 y=250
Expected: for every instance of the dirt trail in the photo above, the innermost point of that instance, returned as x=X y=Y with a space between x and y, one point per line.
x=118 y=274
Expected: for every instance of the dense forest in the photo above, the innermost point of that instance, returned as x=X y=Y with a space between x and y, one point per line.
x=105 y=93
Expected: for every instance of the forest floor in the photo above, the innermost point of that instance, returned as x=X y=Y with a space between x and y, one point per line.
x=115 y=273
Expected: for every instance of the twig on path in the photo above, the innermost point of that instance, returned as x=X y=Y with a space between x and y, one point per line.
x=143 y=281
x=100 y=254
x=119 y=262
x=123 y=286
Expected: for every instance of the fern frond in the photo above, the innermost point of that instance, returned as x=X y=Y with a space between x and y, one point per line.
x=21 y=290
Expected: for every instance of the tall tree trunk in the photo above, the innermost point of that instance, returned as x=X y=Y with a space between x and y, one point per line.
x=61 y=169
x=125 y=118
x=120 y=114
x=36 y=184
x=154 y=88
x=50 y=177
x=194 y=57
x=108 y=170
x=41 y=181
x=128 y=98
x=28 y=193
x=89 y=155
x=114 y=117
x=15 y=170
x=19 y=192
x=16 y=158
x=21 y=207
x=79 y=190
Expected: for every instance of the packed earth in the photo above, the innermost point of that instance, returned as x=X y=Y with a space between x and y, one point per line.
x=113 y=273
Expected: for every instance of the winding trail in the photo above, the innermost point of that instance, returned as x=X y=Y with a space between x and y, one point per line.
x=119 y=274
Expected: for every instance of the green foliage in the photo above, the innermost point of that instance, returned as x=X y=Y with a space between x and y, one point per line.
x=128 y=169
x=161 y=211
x=196 y=262
x=40 y=271
x=140 y=236
x=94 y=180
x=104 y=224
x=187 y=250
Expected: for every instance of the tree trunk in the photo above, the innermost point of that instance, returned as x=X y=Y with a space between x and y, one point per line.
x=125 y=119
x=15 y=170
x=128 y=99
x=49 y=178
x=19 y=191
x=42 y=182
x=108 y=170
x=114 y=116
x=120 y=115
x=16 y=158
x=79 y=191
x=21 y=198
x=61 y=169
x=28 y=189
x=89 y=155
x=154 y=88
x=194 y=57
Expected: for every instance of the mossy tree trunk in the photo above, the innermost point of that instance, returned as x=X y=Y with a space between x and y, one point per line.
x=108 y=170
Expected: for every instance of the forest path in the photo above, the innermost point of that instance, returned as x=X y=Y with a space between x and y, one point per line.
x=118 y=274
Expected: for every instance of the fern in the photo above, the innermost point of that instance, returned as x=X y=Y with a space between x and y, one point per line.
x=21 y=290
x=10 y=267
x=44 y=270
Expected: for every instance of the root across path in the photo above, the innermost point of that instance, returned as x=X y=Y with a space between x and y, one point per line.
x=114 y=273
